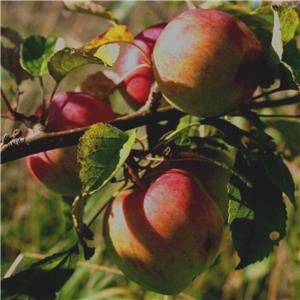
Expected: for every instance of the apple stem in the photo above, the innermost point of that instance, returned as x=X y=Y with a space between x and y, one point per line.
x=98 y=213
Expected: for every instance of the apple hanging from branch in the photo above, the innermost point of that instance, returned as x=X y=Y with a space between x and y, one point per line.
x=206 y=62
x=137 y=83
x=58 y=169
x=164 y=236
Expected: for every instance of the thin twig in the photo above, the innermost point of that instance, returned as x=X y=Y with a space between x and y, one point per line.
x=7 y=103
x=279 y=116
x=267 y=93
x=275 y=103
x=98 y=213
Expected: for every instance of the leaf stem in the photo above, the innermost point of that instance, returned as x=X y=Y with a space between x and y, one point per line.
x=43 y=116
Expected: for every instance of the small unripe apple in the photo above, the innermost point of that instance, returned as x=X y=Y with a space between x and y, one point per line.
x=58 y=169
x=206 y=62
x=138 y=83
x=164 y=236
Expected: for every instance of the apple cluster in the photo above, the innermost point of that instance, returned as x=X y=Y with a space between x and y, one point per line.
x=205 y=63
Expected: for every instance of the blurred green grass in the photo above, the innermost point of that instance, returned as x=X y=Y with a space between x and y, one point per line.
x=34 y=219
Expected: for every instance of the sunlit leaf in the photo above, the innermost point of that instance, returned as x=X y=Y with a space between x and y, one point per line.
x=101 y=152
x=236 y=208
x=68 y=59
x=289 y=21
x=114 y=34
x=277 y=43
x=106 y=47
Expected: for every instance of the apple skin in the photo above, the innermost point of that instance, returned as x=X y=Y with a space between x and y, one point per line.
x=164 y=236
x=206 y=62
x=214 y=178
x=137 y=85
x=58 y=169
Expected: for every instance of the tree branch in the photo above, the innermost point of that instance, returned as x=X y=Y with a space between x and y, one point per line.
x=47 y=141
x=275 y=103
x=22 y=147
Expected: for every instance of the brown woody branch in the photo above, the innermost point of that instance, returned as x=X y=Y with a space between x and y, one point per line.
x=46 y=141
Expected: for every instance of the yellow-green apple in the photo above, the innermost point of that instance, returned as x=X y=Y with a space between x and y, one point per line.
x=164 y=236
x=206 y=62
x=139 y=80
x=58 y=169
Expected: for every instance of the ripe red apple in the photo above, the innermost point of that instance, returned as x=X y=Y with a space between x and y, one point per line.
x=210 y=166
x=205 y=62
x=138 y=83
x=58 y=169
x=164 y=236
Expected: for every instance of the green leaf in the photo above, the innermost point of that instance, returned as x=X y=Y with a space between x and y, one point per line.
x=102 y=151
x=289 y=130
x=280 y=175
x=237 y=210
x=258 y=18
x=44 y=278
x=90 y=7
x=232 y=134
x=277 y=42
x=68 y=59
x=185 y=131
x=289 y=21
x=10 y=56
x=255 y=238
x=291 y=56
x=35 y=54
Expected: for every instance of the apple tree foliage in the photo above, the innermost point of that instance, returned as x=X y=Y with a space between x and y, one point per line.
x=260 y=179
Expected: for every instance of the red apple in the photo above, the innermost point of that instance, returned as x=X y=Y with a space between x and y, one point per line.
x=138 y=83
x=206 y=61
x=211 y=166
x=164 y=236
x=58 y=169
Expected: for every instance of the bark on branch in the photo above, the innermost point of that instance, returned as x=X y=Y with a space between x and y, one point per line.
x=22 y=147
